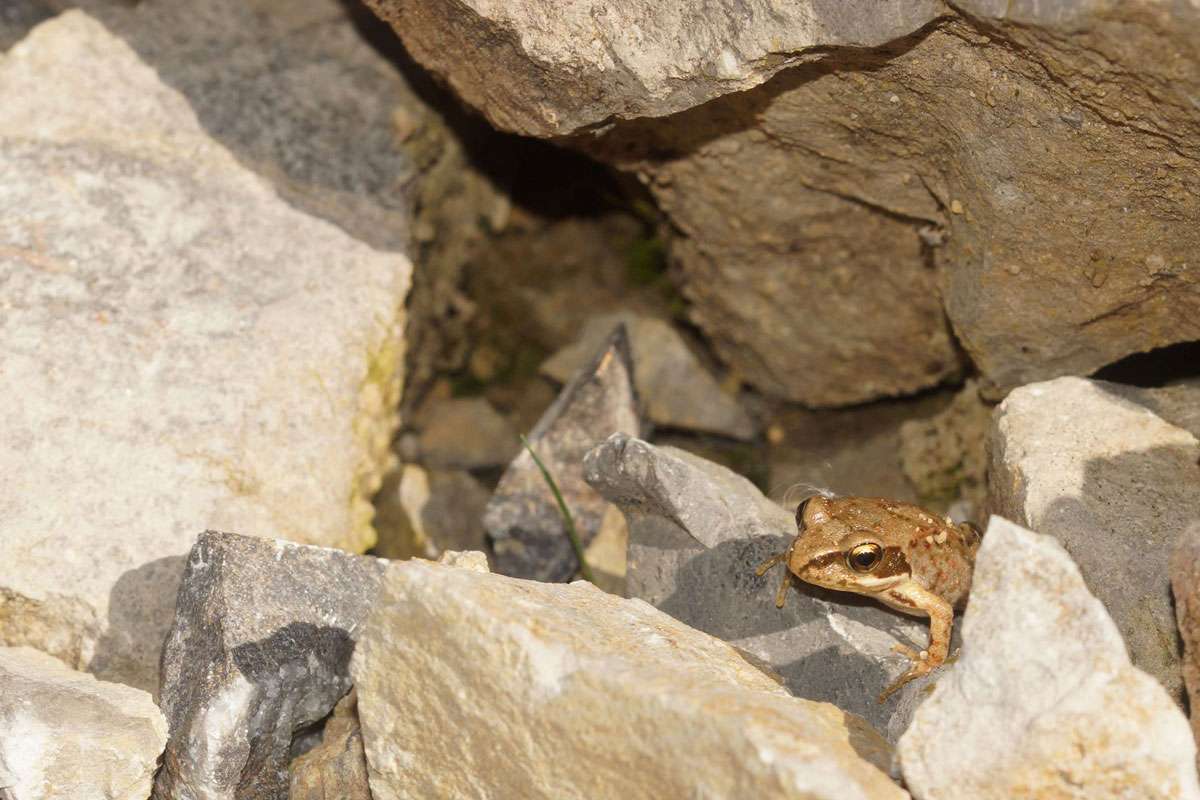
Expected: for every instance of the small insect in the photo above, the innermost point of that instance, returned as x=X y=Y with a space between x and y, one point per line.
x=905 y=557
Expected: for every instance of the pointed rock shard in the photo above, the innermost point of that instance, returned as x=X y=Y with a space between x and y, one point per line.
x=1116 y=485
x=522 y=518
x=676 y=389
x=480 y=685
x=1043 y=701
x=64 y=734
x=260 y=648
x=697 y=531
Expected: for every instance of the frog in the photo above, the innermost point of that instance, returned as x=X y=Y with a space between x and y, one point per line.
x=908 y=558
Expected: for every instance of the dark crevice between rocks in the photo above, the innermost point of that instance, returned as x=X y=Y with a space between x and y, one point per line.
x=1159 y=367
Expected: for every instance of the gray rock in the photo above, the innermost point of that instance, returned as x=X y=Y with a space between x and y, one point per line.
x=465 y=433
x=1043 y=702
x=232 y=378
x=17 y=17
x=523 y=518
x=696 y=534
x=66 y=736
x=260 y=648
x=478 y=685
x=1117 y=486
x=675 y=388
x=423 y=512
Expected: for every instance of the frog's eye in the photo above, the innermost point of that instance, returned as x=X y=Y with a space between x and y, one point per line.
x=864 y=557
x=800 y=512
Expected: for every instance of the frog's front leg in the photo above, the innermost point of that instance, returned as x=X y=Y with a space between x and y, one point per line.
x=913 y=597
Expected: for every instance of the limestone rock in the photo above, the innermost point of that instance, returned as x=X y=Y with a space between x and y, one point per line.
x=260 y=649
x=465 y=433
x=337 y=767
x=675 y=388
x=64 y=734
x=233 y=379
x=523 y=519
x=466 y=559
x=696 y=534
x=475 y=685
x=945 y=456
x=1185 y=586
x=1043 y=702
x=542 y=68
x=1117 y=486
x=423 y=512
x=607 y=555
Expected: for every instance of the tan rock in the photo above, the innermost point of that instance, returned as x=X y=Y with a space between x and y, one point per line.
x=480 y=685
x=336 y=769
x=64 y=734
x=185 y=354
x=1185 y=586
x=1043 y=702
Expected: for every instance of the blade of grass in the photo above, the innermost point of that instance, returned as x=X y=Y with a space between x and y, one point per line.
x=568 y=520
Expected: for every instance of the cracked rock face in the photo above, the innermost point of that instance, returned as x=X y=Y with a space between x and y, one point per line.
x=64 y=734
x=185 y=354
x=696 y=534
x=1022 y=173
x=1116 y=485
x=260 y=648
x=523 y=518
x=1043 y=702
x=471 y=684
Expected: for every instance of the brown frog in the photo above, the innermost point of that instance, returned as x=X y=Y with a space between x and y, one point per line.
x=905 y=557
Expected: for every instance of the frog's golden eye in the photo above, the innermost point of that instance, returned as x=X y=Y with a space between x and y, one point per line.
x=800 y=512
x=864 y=557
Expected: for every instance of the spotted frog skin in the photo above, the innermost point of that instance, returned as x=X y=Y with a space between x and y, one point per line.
x=905 y=557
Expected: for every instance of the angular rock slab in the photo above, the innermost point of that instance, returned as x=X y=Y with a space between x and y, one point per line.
x=548 y=68
x=260 y=648
x=523 y=519
x=676 y=389
x=480 y=685
x=1043 y=701
x=697 y=531
x=64 y=734
x=1117 y=486
x=233 y=379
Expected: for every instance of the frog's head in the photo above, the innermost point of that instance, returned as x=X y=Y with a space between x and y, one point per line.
x=830 y=552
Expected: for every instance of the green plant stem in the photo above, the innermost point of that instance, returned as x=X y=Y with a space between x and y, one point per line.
x=568 y=520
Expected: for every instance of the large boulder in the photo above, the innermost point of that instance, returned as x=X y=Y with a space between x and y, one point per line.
x=1030 y=167
x=1043 y=702
x=189 y=350
x=1116 y=485
x=471 y=685
x=64 y=734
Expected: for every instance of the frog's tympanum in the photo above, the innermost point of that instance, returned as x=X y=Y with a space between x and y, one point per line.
x=905 y=557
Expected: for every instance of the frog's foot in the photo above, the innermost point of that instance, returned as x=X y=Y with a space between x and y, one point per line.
x=770 y=562
x=922 y=665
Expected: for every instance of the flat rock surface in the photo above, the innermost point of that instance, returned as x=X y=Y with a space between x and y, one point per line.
x=259 y=650
x=523 y=519
x=697 y=531
x=64 y=734
x=675 y=388
x=232 y=380
x=1116 y=485
x=474 y=685
x=1043 y=702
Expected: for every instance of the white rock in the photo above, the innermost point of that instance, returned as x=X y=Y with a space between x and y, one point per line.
x=180 y=349
x=1043 y=701
x=66 y=736
x=675 y=388
x=474 y=560
x=475 y=685
x=1116 y=485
